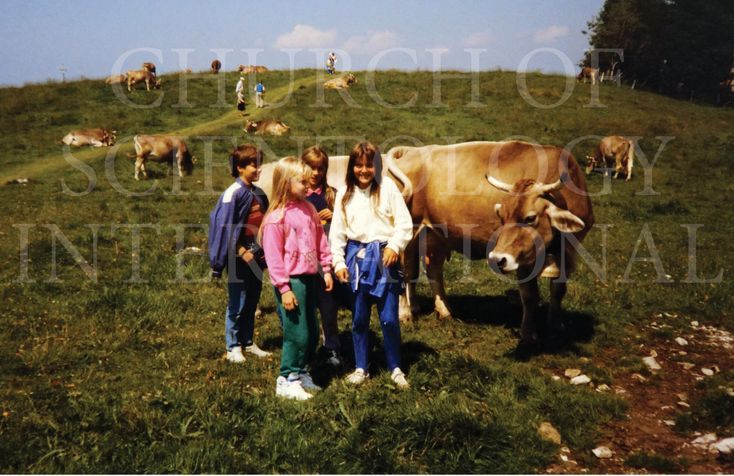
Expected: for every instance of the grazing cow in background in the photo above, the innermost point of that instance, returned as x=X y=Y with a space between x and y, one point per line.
x=588 y=73
x=456 y=210
x=267 y=126
x=93 y=137
x=116 y=79
x=623 y=151
x=216 y=66
x=149 y=67
x=161 y=148
x=342 y=82
x=252 y=69
x=142 y=76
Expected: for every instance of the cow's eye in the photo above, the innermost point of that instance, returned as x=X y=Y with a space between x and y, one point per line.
x=531 y=219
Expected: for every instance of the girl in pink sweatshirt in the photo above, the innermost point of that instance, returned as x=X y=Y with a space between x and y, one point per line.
x=295 y=245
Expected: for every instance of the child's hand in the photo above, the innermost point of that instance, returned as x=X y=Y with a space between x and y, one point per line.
x=247 y=256
x=342 y=275
x=389 y=257
x=328 y=281
x=325 y=214
x=289 y=300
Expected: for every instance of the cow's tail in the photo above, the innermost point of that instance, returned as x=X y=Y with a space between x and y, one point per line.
x=390 y=164
x=138 y=148
x=630 y=153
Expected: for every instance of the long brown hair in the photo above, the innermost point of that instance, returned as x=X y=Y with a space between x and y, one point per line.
x=314 y=157
x=369 y=152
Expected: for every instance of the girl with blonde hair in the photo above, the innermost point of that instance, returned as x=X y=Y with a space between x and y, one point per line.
x=296 y=251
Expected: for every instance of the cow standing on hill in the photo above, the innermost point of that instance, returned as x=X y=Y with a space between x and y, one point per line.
x=216 y=66
x=142 y=76
x=588 y=73
x=161 y=148
x=618 y=147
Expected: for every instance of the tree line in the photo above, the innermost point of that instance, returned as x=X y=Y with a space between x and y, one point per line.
x=681 y=48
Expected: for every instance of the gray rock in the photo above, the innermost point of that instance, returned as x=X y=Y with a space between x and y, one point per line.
x=725 y=446
x=580 y=380
x=602 y=452
x=651 y=363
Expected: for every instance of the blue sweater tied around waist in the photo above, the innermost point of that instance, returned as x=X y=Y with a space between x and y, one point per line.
x=369 y=270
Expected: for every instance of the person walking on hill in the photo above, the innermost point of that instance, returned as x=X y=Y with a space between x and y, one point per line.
x=259 y=91
x=296 y=251
x=240 y=92
x=370 y=227
x=331 y=63
x=233 y=229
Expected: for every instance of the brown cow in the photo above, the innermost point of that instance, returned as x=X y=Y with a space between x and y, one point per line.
x=252 y=69
x=142 y=76
x=116 y=79
x=149 y=67
x=342 y=82
x=93 y=137
x=623 y=151
x=588 y=73
x=454 y=209
x=216 y=66
x=267 y=126
x=454 y=213
x=161 y=148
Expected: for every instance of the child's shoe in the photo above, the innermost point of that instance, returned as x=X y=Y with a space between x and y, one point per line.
x=357 y=377
x=235 y=355
x=399 y=378
x=254 y=349
x=307 y=382
x=290 y=389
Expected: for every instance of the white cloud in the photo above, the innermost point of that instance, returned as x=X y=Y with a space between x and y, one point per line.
x=550 y=34
x=480 y=38
x=306 y=36
x=371 y=43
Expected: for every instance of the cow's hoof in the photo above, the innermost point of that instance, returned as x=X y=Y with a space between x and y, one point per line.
x=405 y=318
x=443 y=316
x=524 y=350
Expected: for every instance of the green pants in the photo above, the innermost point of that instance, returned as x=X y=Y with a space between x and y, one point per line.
x=300 y=327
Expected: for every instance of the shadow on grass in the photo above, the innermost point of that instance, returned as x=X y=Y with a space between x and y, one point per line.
x=507 y=311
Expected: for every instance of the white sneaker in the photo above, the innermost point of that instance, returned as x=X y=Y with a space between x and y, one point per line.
x=307 y=382
x=357 y=377
x=399 y=378
x=290 y=389
x=235 y=355
x=254 y=349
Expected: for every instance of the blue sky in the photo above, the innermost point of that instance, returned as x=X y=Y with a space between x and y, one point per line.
x=92 y=38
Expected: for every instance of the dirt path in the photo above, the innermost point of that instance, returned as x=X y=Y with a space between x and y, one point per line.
x=656 y=399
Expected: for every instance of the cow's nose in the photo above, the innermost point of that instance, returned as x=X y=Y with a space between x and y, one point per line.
x=497 y=261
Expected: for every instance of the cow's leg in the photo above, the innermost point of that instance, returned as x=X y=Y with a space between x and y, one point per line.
x=617 y=165
x=138 y=167
x=530 y=297
x=436 y=255
x=557 y=292
x=408 y=305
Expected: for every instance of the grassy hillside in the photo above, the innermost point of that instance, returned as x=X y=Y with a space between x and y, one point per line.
x=123 y=371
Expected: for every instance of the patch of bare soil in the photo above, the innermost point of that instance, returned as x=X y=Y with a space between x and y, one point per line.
x=657 y=398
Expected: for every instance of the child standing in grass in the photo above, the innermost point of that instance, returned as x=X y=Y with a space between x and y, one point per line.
x=370 y=227
x=322 y=196
x=295 y=244
x=233 y=228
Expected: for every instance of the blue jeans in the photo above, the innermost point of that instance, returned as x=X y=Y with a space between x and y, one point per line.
x=387 y=307
x=244 y=294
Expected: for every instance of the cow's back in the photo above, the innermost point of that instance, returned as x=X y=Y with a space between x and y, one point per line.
x=450 y=188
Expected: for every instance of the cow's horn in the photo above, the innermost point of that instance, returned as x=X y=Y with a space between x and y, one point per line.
x=552 y=187
x=498 y=183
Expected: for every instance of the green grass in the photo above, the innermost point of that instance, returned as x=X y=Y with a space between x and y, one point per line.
x=112 y=376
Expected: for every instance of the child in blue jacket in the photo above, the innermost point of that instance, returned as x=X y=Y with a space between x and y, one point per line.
x=233 y=230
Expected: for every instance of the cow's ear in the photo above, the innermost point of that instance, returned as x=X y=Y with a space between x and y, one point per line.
x=563 y=220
